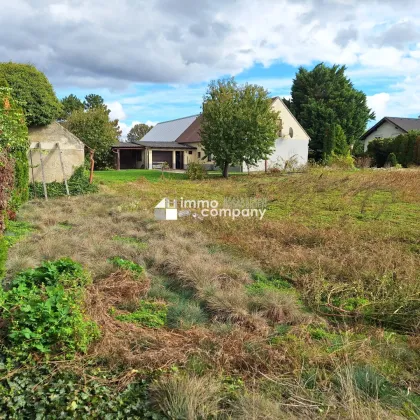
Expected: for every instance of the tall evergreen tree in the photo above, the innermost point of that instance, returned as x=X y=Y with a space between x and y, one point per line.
x=324 y=97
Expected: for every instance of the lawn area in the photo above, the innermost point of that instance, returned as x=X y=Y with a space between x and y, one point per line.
x=130 y=175
x=311 y=312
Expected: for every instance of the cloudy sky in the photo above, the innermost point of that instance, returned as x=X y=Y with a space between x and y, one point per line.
x=151 y=60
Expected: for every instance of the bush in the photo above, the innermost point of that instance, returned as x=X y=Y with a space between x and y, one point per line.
x=49 y=393
x=196 y=171
x=405 y=147
x=392 y=160
x=344 y=162
x=42 y=311
x=78 y=184
x=34 y=91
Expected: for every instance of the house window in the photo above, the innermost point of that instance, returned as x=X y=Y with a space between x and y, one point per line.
x=199 y=155
x=190 y=152
x=209 y=158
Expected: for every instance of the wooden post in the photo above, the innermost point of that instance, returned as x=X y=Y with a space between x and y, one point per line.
x=62 y=169
x=92 y=165
x=118 y=160
x=32 y=170
x=42 y=171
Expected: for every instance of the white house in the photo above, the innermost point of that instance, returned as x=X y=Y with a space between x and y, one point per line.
x=390 y=127
x=178 y=143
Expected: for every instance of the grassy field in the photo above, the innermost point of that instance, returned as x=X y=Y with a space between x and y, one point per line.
x=311 y=312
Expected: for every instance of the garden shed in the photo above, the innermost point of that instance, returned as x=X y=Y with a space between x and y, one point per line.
x=55 y=152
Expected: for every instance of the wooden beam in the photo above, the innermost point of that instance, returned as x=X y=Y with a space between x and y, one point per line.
x=118 y=160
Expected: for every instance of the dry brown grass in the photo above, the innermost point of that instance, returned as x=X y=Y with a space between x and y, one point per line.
x=187 y=397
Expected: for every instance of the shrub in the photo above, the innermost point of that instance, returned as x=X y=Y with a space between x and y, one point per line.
x=43 y=312
x=78 y=184
x=392 y=160
x=196 y=171
x=344 y=162
x=34 y=91
x=46 y=392
x=405 y=147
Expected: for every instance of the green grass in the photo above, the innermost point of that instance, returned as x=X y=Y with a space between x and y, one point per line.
x=131 y=175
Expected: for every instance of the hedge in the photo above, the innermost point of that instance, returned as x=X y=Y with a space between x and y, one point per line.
x=405 y=147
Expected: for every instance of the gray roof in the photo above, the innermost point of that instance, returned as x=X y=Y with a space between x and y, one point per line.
x=164 y=145
x=168 y=131
x=405 y=124
x=125 y=145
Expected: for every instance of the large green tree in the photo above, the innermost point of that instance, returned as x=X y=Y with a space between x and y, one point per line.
x=97 y=131
x=323 y=99
x=70 y=104
x=239 y=124
x=33 y=90
x=138 y=132
x=93 y=101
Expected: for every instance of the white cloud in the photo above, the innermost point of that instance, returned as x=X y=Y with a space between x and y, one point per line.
x=378 y=103
x=125 y=128
x=117 y=111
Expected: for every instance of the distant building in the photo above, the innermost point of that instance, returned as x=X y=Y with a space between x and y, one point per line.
x=47 y=143
x=178 y=143
x=390 y=127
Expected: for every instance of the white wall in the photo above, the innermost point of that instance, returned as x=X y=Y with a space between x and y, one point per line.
x=385 y=130
x=286 y=146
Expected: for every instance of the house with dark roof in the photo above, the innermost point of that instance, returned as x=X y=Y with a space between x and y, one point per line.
x=178 y=143
x=390 y=127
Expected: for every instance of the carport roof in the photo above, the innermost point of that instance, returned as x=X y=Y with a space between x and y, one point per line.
x=164 y=145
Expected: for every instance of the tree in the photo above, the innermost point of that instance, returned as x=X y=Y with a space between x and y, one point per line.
x=33 y=90
x=70 y=103
x=94 y=101
x=97 y=131
x=14 y=141
x=324 y=97
x=138 y=132
x=238 y=124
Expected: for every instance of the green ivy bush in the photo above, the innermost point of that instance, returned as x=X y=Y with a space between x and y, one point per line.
x=78 y=184
x=43 y=311
x=195 y=171
x=47 y=393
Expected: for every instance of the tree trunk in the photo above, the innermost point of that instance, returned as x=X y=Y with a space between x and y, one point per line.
x=225 y=170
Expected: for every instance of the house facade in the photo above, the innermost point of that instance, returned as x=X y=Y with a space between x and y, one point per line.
x=389 y=127
x=178 y=143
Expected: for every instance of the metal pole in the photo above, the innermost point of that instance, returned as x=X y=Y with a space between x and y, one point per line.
x=62 y=168
x=42 y=171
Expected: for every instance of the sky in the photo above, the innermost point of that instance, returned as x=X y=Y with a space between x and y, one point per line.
x=152 y=60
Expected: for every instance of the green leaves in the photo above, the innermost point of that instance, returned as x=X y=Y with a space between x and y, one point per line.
x=238 y=124
x=43 y=311
x=323 y=99
x=34 y=92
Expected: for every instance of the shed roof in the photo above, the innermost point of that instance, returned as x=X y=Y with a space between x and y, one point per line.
x=168 y=131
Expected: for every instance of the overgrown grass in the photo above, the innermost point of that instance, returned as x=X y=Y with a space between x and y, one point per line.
x=315 y=308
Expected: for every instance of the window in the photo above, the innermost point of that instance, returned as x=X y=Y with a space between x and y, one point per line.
x=190 y=152
x=209 y=158
x=199 y=155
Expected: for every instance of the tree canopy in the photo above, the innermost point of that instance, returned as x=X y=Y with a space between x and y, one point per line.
x=34 y=92
x=97 y=131
x=324 y=99
x=239 y=124
x=93 y=101
x=70 y=103
x=138 y=132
